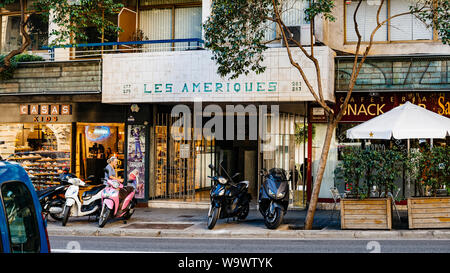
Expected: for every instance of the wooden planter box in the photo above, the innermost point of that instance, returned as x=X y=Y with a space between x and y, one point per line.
x=429 y=212
x=371 y=213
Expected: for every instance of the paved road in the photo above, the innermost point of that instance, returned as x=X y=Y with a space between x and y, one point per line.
x=179 y=245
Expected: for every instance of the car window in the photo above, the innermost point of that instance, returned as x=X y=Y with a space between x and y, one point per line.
x=21 y=217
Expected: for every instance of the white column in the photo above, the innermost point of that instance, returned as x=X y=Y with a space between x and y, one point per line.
x=61 y=54
x=206 y=11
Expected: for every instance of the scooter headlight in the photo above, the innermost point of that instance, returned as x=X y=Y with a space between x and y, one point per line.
x=281 y=195
x=271 y=193
x=278 y=195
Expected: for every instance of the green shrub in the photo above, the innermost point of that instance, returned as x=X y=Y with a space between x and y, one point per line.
x=361 y=169
x=21 y=58
x=432 y=170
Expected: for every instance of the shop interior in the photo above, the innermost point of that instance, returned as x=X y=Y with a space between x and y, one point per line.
x=44 y=150
x=96 y=143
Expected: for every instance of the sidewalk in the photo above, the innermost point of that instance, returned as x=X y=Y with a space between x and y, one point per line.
x=191 y=223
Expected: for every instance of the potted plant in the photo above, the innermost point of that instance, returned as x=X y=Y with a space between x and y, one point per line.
x=430 y=208
x=361 y=171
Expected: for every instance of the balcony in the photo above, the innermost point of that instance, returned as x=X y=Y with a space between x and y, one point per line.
x=97 y=50
x=77 y=69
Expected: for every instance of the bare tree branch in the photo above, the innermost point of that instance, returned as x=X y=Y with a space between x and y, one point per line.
x=358 y=67
x=286 y=40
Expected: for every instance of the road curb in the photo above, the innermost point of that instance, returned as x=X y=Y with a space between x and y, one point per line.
x=274 y=234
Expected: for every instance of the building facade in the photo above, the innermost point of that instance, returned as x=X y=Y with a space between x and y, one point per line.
x=162 y=109
x=407 y=62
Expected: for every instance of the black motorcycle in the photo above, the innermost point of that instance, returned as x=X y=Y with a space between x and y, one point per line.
x=228 y=199
x=274 y=197
x=52 y=199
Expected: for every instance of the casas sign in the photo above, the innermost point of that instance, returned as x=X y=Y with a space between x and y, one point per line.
x=45 y=112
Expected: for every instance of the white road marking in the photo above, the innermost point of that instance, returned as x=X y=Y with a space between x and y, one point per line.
x=101 y=251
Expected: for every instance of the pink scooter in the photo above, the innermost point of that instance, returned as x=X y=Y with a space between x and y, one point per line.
x=113 y=206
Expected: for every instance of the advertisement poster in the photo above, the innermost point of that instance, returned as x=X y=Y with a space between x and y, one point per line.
x=136 y=158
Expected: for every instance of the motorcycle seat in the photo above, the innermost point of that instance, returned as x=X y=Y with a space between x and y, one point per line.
x=46 y=191
x=242 y=185
x=93 y=191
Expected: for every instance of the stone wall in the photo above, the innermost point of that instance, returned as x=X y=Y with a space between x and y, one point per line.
x=54 y=78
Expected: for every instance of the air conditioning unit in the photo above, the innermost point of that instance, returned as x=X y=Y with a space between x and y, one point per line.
x=295 y=32
x=300 y=34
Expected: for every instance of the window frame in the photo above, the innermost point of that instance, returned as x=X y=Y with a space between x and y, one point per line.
x=388 y=26
x=173 y=7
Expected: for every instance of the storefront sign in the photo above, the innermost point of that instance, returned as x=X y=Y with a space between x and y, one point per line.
x=317 y=114
x=45 y=112
x=364 y=106
x=188 y=76
x=185 y=151
x=136 y=158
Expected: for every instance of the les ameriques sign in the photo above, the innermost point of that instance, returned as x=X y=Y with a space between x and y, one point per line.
x=188 y=76
x=210 y=87
x=363 y=107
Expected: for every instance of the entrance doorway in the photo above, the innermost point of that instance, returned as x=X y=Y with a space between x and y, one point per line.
x=240 y=156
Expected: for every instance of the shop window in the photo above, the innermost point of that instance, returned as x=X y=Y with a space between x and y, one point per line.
x=43 y=150
x=96 y=142
x=22 y=224
x=181 y=166
x=94 y=34
x=366 y=20
x=170 y=21
x=11 y=38
x=402 y=28
x=407 y=27
x=10 y=33
x=38 y=31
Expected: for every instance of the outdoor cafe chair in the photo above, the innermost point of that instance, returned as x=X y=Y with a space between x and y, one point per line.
x=393 y=197
x=336 y=196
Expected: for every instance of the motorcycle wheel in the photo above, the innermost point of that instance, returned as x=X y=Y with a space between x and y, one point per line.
x=58 y=216
x=274 y=221
x=244 y=212
x=66 y=215
x=130 y=212
x=104 y=216
x=212 y=219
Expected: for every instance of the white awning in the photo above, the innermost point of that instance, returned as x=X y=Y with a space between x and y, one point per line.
x=407 y=121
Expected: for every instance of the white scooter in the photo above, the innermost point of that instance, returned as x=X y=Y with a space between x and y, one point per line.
x=90 y=203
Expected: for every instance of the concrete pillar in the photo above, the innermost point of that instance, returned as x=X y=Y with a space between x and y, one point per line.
x=60 y=54
x=206 y=11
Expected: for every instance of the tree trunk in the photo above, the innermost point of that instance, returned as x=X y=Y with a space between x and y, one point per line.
x=322 y=164
x=23 y=23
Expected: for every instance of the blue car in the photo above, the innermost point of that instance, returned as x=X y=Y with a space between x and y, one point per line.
x=23 y=229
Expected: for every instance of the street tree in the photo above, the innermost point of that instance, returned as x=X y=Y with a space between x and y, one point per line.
x=235 y=33
x=69 y=18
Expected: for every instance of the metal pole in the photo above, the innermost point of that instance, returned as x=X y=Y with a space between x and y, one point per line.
x=408 y=179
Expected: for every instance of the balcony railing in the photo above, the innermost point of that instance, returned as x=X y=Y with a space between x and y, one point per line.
x=97 y=50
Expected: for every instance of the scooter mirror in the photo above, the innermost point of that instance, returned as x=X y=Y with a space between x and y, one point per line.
x=211 y=166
